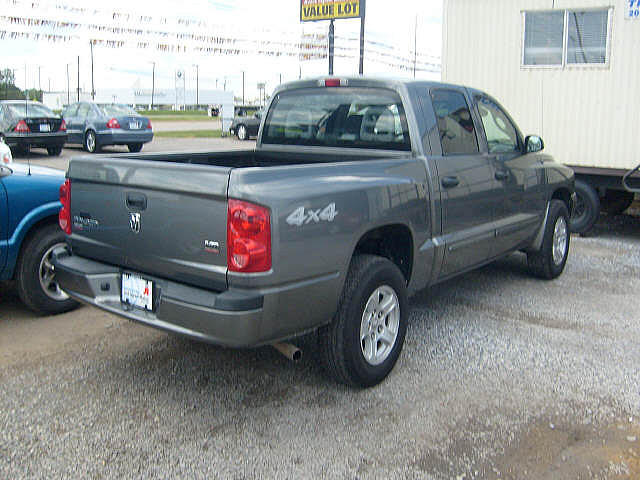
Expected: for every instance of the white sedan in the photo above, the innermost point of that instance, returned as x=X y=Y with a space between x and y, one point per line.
x=5 y=154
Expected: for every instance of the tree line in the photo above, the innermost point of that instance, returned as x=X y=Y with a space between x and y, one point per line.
x=9 y=91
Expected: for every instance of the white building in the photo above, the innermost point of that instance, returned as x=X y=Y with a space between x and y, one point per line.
x=567 y=70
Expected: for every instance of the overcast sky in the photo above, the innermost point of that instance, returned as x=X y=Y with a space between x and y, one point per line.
x=389 y=22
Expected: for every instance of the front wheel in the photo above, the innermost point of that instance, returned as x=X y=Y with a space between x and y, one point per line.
x=242 y=132
x=549 y=261
x=54 y=151
x=363 y=342
x=134 y=147
x=36 y=276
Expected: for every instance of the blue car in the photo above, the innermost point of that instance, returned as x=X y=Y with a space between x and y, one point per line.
x=95 y=125
x=29 y=232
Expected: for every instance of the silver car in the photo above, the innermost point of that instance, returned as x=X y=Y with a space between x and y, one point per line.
x=95 y=125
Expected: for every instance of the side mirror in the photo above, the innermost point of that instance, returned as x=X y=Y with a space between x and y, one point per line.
x=533 y=143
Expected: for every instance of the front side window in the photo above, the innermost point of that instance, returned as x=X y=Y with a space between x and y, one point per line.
x=565 y=37
x=457 y=133
x=501 y=135
x=338 y=117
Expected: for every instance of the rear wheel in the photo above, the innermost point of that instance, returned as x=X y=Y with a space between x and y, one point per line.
x=362 y=343
x=587 y=208
x=35 y=274
x=134 y=147
x=90 y=142
x=54 y=151
x=549 y=261
x=241 y=131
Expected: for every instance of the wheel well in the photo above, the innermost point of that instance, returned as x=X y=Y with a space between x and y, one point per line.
x=44 y=222
x=391 y=241
x=563 y=195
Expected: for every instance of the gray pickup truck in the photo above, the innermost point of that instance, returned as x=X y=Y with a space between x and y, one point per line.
x=359 y=193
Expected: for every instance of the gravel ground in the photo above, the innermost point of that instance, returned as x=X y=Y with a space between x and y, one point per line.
x=502 y=376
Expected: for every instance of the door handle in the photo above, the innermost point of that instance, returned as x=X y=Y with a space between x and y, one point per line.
x=502 y=174
x=137 y=201
x=449 y=182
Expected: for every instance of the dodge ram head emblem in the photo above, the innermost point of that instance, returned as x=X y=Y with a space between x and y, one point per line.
x=134 y=222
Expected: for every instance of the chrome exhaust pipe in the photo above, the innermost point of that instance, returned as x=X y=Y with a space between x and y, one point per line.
x=290 y=351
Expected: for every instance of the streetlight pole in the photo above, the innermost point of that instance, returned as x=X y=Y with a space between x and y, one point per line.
x=243 y=87
x=78 y=78
x=68 y=89
x=153 y=82
x=93 y=90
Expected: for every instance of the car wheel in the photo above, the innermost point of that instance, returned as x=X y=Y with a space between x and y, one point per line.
x=54 y=151
x=362 y=343
x=241 y=131
x=90 y=142
x=134 y=147
x=549 y=261
x=587 y=208
x=35 y=274
x=616 y=201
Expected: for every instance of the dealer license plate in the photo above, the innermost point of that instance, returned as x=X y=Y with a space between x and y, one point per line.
x=137 y=291
x=45 y=127
x=134 y=125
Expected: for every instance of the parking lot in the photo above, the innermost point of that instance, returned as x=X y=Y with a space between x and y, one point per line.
x=502 y=376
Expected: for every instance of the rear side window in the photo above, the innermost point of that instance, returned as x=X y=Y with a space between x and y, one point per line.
x=70 y=110
x=455 y=125
x=338 y=117
x=29 y=110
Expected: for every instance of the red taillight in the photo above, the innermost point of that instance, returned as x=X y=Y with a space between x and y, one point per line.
x=63 y=126
x=64 y=216
x=22 y=127
x=113 y=123
x=149 y=125
x=334 y=82
x=248 y=237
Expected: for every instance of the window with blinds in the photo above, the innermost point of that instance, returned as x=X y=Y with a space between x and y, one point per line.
x=565 y=37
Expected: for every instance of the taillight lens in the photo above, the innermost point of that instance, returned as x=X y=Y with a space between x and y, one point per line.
x=63 y=126
x=64 y=216
x=113 y=123
x=149 y=127
x=248 y=237
x=22 y=127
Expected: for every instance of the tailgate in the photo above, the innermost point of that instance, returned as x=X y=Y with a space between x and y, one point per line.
x=160 y=218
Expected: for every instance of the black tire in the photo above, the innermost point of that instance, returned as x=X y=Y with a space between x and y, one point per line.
x=22 y=150
x=28 y=273
x=134 y=147
x=587 y=208
x=542 y=263
x=91 y=142
x=340 y=343
x=241 y=132
x=54 y=151
x=616 y=201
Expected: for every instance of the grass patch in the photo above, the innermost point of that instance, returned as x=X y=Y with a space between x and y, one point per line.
x=190 y=134
x=174 y=113
x=181 y=118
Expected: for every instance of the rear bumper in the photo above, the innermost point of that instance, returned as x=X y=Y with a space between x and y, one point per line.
x=233 y=318
x=123 y=137
x=36 y=139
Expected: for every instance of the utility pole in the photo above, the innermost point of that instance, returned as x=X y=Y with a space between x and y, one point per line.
x=331 y=42
x=225 y=84
x=93 y=90
x=362 y=14
x=197 y=85
x=39 y=84
x=68 y=92
x=243 y=87
x=78 y=78
x=280 y=80
x=153 y=82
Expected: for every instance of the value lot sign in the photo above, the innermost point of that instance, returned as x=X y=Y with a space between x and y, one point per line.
x=314 y=10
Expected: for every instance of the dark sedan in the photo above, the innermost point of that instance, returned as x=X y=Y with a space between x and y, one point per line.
x=25 y=124
x=95 y=125
x=245 y=126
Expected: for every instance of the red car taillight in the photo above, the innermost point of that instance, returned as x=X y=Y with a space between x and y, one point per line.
x=63 y=126
x=64 y=216
x=113 y=123
x=22 y=127
x=149 y=125
x=248 y=237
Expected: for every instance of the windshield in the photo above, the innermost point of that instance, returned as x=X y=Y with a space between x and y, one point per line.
x=115 y=109
x=338 y=117
x=30 y=110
